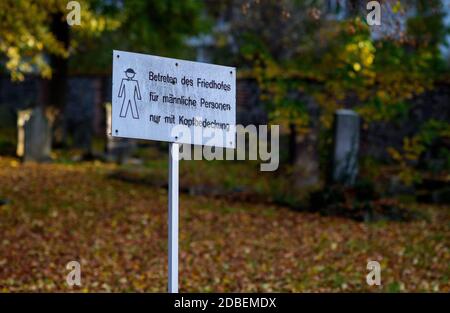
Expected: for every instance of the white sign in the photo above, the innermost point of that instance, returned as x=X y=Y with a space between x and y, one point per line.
x=156 y=98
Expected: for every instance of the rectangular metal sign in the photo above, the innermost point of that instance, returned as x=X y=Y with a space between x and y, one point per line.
x=172 y=100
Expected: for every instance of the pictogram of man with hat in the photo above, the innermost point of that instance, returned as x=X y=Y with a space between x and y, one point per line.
x=129 y=90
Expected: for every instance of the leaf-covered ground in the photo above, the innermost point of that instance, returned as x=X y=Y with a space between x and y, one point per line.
x=118 y=232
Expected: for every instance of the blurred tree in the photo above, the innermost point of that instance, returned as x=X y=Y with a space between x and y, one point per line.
x=299 y=46
x=154 y=27
x=270 y=38
x=35 y=38
x=33 y=30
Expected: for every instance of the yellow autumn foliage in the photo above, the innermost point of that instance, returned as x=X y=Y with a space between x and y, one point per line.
x=26 y=38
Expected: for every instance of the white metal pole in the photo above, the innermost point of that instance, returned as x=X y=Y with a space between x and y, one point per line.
x=174 y=151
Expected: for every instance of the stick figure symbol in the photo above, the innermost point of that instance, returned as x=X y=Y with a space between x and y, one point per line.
x=129 y=90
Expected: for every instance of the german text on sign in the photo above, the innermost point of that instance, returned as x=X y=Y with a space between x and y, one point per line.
x=159 y=98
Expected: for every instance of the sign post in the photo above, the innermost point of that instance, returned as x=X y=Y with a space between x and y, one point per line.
x=176 y=101
x=174 y=151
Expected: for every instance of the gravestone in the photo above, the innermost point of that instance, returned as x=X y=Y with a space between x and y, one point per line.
x=345 y=147
x=118 y=149
x=34 y=135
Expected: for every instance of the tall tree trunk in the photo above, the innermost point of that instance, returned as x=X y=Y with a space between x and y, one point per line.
x=292 y=144
x=304 y=152
x=58 y=83
x=306 y=164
